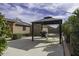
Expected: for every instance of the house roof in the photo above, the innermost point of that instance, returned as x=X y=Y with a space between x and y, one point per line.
x=10 y=20
x=48 y=20
x=18 y=22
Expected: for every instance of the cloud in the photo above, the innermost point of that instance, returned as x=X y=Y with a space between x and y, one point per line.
x=29 y=12
x=74 y=6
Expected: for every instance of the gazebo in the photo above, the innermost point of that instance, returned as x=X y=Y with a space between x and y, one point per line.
x=48 y=20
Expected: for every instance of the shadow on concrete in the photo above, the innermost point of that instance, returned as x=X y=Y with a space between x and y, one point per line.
x=54 y=50
x=25 y=44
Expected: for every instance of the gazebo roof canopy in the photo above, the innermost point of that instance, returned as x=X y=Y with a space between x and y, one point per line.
x=48 y=20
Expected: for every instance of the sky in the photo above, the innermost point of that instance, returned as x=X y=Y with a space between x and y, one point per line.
x=29 y=12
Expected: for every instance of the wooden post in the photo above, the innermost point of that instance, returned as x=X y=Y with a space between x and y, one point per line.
x=32 y=32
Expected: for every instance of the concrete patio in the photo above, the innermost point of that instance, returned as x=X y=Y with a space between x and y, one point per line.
x=39 y=47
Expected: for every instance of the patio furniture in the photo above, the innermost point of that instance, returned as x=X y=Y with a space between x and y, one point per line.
x=43 y=34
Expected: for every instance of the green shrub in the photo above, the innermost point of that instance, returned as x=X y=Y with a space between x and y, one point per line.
x=66 y=28
x=3 y=45
x=4 y=32
x=75 y=43
x=16 y=36
x=26 y=34
x=71 y=30
x=75 y=34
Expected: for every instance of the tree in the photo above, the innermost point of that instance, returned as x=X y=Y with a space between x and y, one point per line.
x=75 y=33
x=71 y=29
x=4 y=32
x=67 y=29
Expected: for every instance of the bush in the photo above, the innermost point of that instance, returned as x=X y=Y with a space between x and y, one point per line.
x=67 y=38
x=26 y=34
x=3 y=45
x=75 y=34
x=4 y=32
x=75 y=43
x=72 y=32
x=16 y=36
x=66 y=28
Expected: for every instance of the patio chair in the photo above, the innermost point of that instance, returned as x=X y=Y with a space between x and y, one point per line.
x=44 y=34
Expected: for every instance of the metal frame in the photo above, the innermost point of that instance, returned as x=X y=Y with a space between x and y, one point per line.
x=48 y=22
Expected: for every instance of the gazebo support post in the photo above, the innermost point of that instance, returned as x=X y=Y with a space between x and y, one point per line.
x=32 y=32
x=41 y=27
x=60 y=33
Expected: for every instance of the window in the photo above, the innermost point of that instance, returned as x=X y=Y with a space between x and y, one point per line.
x=24 y=28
